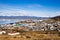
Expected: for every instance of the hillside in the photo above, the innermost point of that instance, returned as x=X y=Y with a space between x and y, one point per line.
x=57 y=18
x=31 y=35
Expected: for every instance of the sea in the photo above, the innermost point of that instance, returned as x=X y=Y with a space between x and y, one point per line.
x=7 y=21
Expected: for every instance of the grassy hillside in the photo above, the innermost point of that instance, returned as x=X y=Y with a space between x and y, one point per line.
x=32 y=35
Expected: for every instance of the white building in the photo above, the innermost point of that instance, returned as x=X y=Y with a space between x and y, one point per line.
x=17 y=33
x=1 y=32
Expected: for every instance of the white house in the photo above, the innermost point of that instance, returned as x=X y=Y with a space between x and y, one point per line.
x=1 y=32
x=17 y=33
x=51 y=28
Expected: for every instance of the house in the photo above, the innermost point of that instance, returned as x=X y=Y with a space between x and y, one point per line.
x=58 y=23
x=42 y=30
x=52 y=27
x=2 y=32
x=16 y=33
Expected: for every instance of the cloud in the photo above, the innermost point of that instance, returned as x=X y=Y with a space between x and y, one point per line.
x=34 y=6
x=21 y=12
x=13 y=11
x=58 y=13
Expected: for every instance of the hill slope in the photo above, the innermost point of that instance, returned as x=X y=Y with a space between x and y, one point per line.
x=57 y=18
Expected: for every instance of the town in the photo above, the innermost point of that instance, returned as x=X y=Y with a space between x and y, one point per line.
x=31 y=29
x=30 y=25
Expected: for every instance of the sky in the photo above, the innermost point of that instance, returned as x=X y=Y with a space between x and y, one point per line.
x=39 y=8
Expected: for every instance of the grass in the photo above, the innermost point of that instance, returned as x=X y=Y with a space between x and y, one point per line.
x=31 y=35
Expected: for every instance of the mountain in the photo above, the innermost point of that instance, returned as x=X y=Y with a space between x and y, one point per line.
x=57 y=18
x=22 y=17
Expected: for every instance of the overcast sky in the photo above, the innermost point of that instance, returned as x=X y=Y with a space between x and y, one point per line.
x=39 y=8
